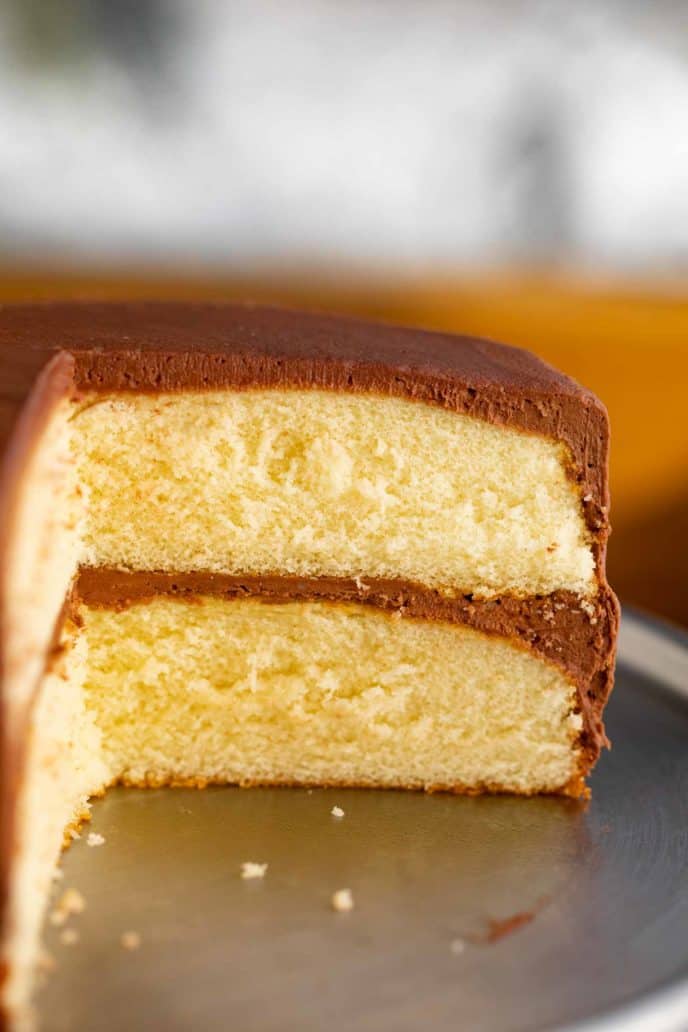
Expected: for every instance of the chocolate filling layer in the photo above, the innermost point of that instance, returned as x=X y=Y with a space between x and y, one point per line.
x=577 y=637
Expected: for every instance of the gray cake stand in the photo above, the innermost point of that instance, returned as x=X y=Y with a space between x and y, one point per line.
x=479 y=914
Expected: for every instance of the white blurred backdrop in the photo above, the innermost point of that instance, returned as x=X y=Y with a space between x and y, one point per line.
x=413 y=133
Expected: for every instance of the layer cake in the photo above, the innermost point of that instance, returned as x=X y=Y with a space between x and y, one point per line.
x=253 y=546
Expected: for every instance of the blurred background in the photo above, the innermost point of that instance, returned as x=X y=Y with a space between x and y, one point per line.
x=509 y=168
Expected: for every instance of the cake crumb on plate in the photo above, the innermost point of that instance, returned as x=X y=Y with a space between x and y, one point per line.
x=250 y=869
x=71 y=902
x=46 y=962
x=95 y=838
x=130 y=940
x=343 y=900
x=337 y=811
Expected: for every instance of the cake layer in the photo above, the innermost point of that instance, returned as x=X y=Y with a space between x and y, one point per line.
x=150 y=347
x=576 y=635
x=64 y=767
x=323 y=484
x=39 y=515
x=40 y=557
x=324 y=693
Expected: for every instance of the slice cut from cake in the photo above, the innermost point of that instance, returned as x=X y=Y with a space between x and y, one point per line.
x=252 y=546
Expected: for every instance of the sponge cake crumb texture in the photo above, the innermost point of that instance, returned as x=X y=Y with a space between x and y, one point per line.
x=324 y=484
x=322 y=693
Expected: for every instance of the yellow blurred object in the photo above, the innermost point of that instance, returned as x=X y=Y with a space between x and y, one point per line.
x=628 y=343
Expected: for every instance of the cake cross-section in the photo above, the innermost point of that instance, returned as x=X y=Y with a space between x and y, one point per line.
x=246 y=545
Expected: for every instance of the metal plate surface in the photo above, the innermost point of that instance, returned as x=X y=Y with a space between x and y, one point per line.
x=565 y=915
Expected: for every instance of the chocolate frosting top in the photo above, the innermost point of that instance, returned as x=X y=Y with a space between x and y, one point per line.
x=192 y=328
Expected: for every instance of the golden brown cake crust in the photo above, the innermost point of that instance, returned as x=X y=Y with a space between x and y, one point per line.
x=575 y=788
